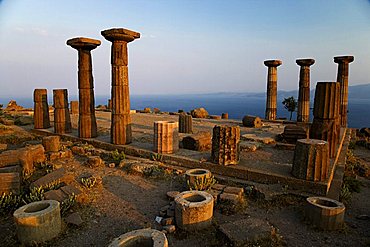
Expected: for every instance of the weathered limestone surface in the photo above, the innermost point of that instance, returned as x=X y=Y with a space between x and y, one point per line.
x=141 y=237
x=225 y=145
x=51 y=143
x=293 y=132
x=247 y=232
x=194 y=210
x=199 y=113
x=185 y=123
x=303 y=114
x=311 y=160
x=271 y=88
x=74 y=107
x=325 y=213
x=252 y=122
x=26 y=157
x=62 y=119
x=49 y=178
x=325 y=125
x=121 y=120
x=10 y=182
x=166 y=137
x=87 y=127
x=201 y=141
x=196 y=176
x=38 y=222
x=342 y=77
x=41 y=109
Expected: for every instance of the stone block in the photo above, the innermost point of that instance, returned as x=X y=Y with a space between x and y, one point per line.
x=199 y=113
x=70 y=190
x=252 y=122
x=234 y=190
x=247 y=232
x=215 y=117
x=49 y=178
x=167 y=221
x=10 y=182
x=51 y=143
x=3 y=146
x=56 y=195
x=227 y=197
x=94 y=161
x=74 y=219
x=26 y=157
x=201 y=141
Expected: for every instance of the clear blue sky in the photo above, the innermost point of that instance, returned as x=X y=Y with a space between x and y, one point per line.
x=187 y=46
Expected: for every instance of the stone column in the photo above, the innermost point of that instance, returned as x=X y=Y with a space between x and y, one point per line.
x=121 y=120
x=225 y=145
x=311 y=160
x=271 y=88
x=342 y=77
x=303 y=114
x=325 y=125
x=74 y=107
x=185 y=123
x=166 y=137
x=86 y=118
x=41 y=109
x=62 y=119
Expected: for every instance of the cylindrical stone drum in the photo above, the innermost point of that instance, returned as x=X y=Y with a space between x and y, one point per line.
x=41 y=109
x=166 y=137
x=311 y=160
x=225 y=145
x=185 y=123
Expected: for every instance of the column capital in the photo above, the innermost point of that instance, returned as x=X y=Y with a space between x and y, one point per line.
x=273 y=63
x=120 y=34
x=344 y=59
x=83 y=43
x=305 y=62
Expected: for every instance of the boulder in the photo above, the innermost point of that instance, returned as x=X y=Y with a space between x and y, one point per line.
x=199 y=113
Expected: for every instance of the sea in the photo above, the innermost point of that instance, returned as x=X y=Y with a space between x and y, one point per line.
x=236 y=105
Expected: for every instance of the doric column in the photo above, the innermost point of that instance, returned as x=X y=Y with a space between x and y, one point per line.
x=271 y=88
x=86 y=118
x=303 y=114
x=41 y=109
x=325 y=125
x=342 y=78
x=185 y=123
x=166 y=137
x=62 y=119
x=225 y=145
x=121 y=120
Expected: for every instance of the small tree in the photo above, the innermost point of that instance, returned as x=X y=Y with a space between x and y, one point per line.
x=290 y=104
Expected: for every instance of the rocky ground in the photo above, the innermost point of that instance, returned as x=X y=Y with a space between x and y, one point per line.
x=130 y=192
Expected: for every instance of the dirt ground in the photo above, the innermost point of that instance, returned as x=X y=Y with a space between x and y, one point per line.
x=126 y=201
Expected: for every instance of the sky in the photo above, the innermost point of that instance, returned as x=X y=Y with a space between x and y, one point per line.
x=186 y=46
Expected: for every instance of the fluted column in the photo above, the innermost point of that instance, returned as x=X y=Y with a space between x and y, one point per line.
x=271 y=99
x=86 y=119
x=62 y=119
x=121 y=119
x=325 y=125
x=41 y=109
x=342 y=77
x=303 y=114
